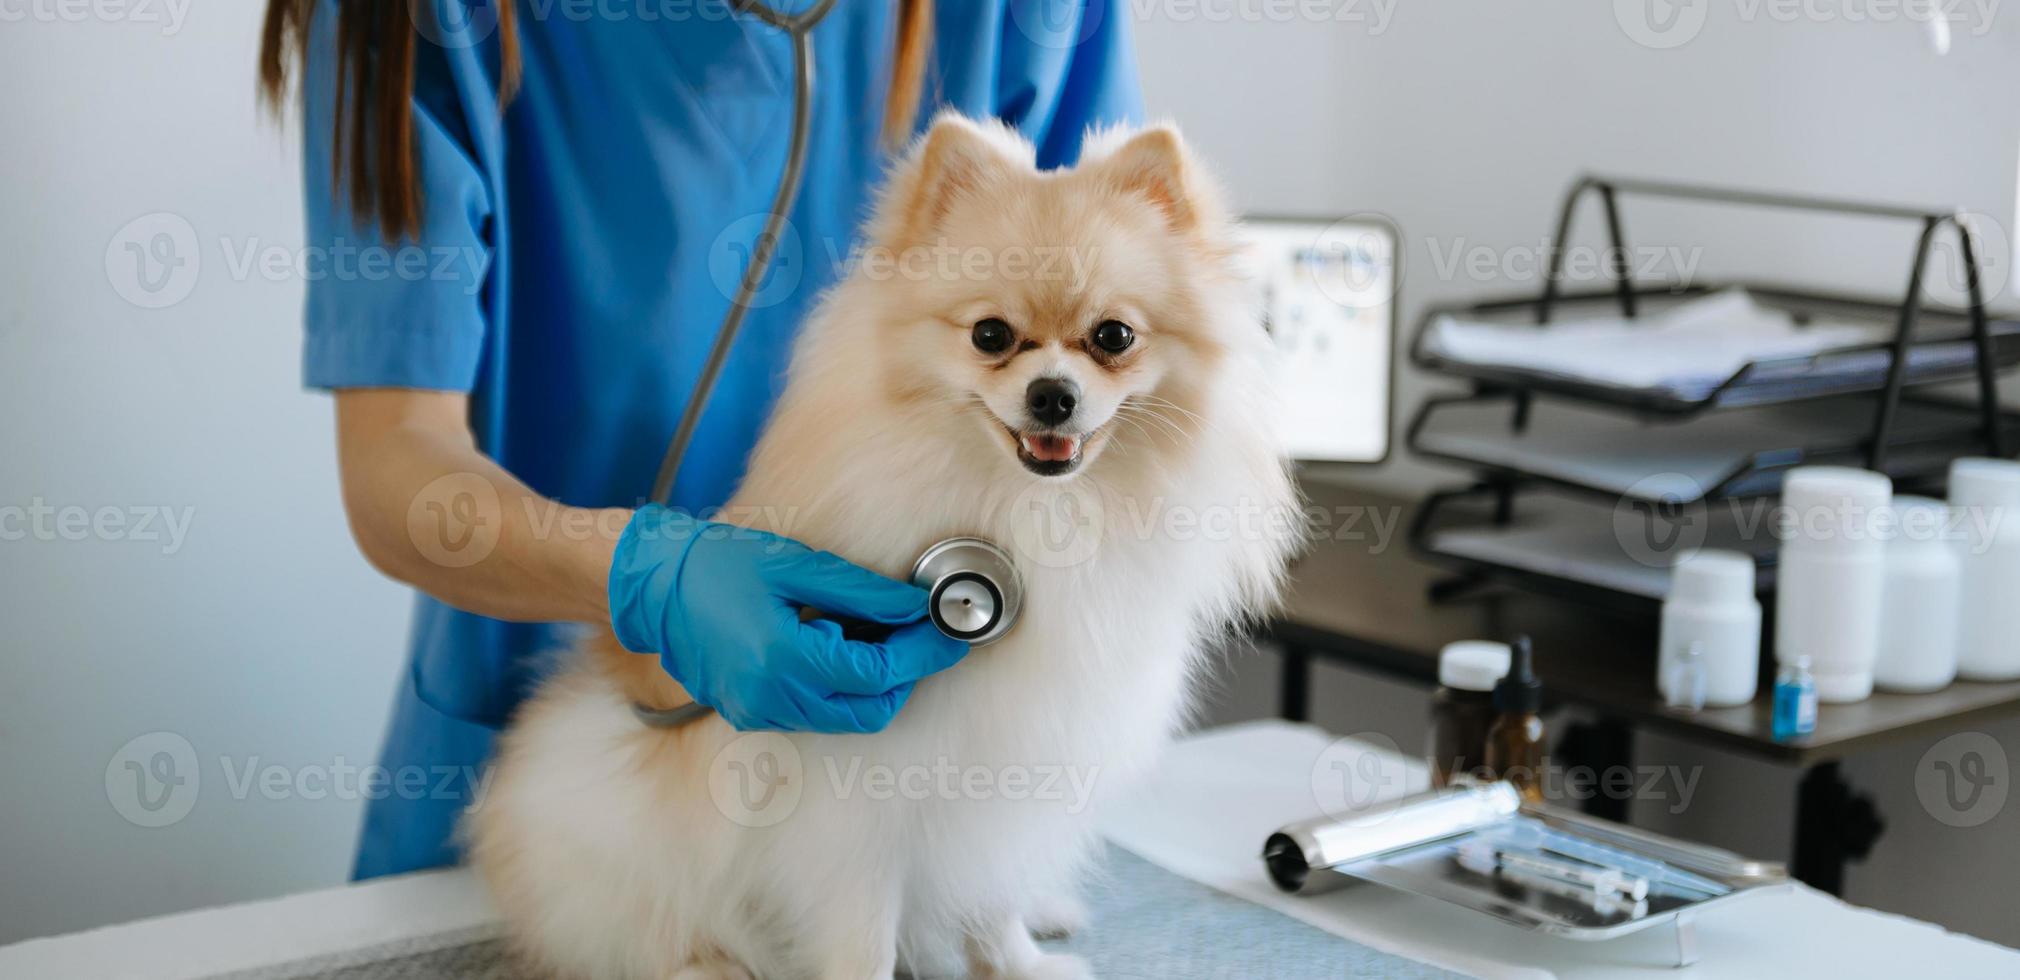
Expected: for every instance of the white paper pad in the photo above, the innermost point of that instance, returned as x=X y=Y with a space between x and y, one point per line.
x=1687 y=349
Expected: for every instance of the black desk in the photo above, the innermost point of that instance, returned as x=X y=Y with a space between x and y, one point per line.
x=1366 y=603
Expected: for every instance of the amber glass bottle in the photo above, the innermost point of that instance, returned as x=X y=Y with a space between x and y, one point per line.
x=1515 y=742
x=1462 y=708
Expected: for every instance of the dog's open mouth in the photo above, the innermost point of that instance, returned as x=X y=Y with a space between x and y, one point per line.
x=1048 y=453
x=1049 y=449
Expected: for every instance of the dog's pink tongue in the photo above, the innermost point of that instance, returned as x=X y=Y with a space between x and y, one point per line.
x=1051 y=449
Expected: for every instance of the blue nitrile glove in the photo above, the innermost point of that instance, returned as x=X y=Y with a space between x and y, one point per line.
x=721 y=606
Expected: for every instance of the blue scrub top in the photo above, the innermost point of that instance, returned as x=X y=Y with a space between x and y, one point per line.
x=579 y=249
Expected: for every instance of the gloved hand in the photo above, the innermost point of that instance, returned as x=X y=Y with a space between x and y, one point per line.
x=721 y=606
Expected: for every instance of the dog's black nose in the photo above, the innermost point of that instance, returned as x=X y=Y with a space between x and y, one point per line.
x=1051 y=400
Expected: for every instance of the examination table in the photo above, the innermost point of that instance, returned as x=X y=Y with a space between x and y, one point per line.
x=1183 y=895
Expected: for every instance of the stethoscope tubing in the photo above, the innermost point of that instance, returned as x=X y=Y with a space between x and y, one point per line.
x=800 y=28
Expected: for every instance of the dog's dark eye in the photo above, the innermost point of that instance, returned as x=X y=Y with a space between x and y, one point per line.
x=1114 y=336
x=991 y=336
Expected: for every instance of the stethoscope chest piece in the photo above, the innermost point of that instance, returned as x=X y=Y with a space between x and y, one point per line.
x=974 y=589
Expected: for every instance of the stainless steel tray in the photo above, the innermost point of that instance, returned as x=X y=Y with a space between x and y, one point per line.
x=1413 y=846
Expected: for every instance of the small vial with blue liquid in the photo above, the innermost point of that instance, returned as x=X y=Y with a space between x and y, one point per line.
x=1795 y=700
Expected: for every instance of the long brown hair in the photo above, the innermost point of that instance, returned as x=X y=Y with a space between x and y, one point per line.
x=372 y=151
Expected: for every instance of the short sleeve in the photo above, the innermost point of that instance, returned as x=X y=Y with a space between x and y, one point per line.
x=1051 y=68
x=409 y=313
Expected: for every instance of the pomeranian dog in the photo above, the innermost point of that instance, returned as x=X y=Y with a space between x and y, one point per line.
x=1069 y=363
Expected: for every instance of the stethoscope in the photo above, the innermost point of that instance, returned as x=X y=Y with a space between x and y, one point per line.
x=973 y=592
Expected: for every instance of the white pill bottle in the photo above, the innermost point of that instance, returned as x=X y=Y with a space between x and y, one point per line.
x=1986 y=495
x=1832 y=575
x=1711 y=606
x=1919 y=615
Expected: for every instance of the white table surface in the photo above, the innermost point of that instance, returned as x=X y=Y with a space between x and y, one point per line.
x=1205 y=815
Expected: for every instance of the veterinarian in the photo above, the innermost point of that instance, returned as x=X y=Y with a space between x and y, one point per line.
x=535 y=215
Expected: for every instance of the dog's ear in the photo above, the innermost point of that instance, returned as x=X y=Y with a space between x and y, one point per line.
x=1155 y=164
x=956 y=157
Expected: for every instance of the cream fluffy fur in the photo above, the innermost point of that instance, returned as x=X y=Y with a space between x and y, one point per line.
x=621 y=851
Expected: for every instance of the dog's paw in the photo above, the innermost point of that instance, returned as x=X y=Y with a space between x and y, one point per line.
x=1056 y=916
x=1054 y=966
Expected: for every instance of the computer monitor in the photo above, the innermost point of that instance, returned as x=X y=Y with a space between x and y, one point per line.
x=1329 y=294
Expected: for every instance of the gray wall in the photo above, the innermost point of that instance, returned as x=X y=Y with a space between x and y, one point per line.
x=258 y=638
x=255 y=638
